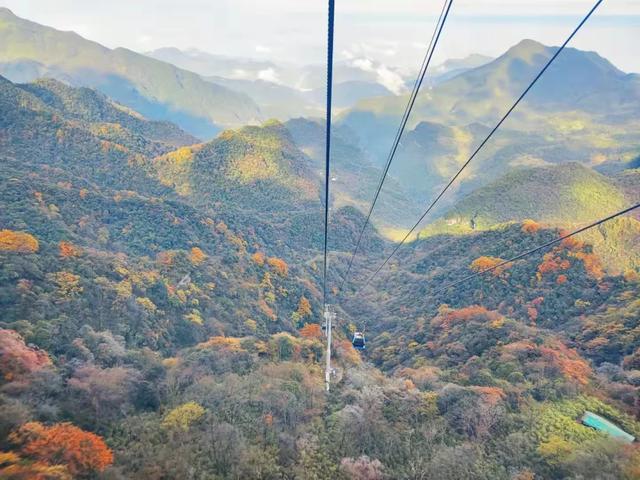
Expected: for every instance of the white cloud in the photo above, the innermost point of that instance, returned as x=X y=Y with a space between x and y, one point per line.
x=268 y=75
x=145 y=39
x=363 y=64
x=241 y=74
x=384 y=75
x=391 y=80
x=347 y=54
x=263 y=49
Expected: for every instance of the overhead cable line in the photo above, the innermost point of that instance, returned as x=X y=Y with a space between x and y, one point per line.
x=403 y=123
x=534 y=250
x=484 y=142
x=328 y=145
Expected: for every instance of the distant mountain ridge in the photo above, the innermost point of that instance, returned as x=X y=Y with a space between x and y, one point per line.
x=156 y=89
x=582 y=109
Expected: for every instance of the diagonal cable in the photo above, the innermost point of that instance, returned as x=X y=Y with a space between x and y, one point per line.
x=534 y=250
x=405 y=118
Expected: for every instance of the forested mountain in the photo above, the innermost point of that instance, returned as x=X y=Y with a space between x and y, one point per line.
x=160 y=295
x=156 y=89
x=569 y=194
x=583 y=109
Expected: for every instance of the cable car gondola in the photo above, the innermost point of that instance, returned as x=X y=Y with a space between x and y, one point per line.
x=359 y=343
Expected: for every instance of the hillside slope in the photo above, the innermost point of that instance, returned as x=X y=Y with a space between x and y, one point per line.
x=568 y=195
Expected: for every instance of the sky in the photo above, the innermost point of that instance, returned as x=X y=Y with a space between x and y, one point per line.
x=393 y=33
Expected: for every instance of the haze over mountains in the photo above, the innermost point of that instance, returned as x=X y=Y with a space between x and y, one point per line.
x=564 y=118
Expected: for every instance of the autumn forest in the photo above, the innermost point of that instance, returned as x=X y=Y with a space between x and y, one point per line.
x=161 y=265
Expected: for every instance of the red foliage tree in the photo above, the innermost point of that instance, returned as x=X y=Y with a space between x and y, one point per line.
x=16 y=358
x=68 y=250
x=552 y=263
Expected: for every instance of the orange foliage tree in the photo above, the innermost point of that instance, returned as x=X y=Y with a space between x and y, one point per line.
x=16 y=358
x=13 y=467
x=573 y=367
x=197 y=256
x=279 y=265
x=592 y=264
x=484 y=263
x=476 y=313
x=304 y=307
x=552 y=263
x=571 y=243
x=63 y=443
x=311 y=330
x=19 y=242
x=266 y=309
x=346 y=352
x=166 y=258
x=530 y=226
x=258 y=258
x=68 y=250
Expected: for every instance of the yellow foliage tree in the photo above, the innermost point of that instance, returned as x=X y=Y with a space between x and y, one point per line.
x=68 y=283
x=14 y=467
x=147 y=304
x=555 y=448
x=231 y=344
x=184 y=416
x=19 y=242
x=252 y=325
x=194 y=317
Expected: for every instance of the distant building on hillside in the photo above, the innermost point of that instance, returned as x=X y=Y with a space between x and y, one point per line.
x=592 y=420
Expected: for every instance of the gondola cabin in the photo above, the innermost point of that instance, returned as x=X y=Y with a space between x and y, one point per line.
x=358 y=341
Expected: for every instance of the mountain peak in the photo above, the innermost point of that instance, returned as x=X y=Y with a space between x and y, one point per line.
x=527 y=49
x=7 y=15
